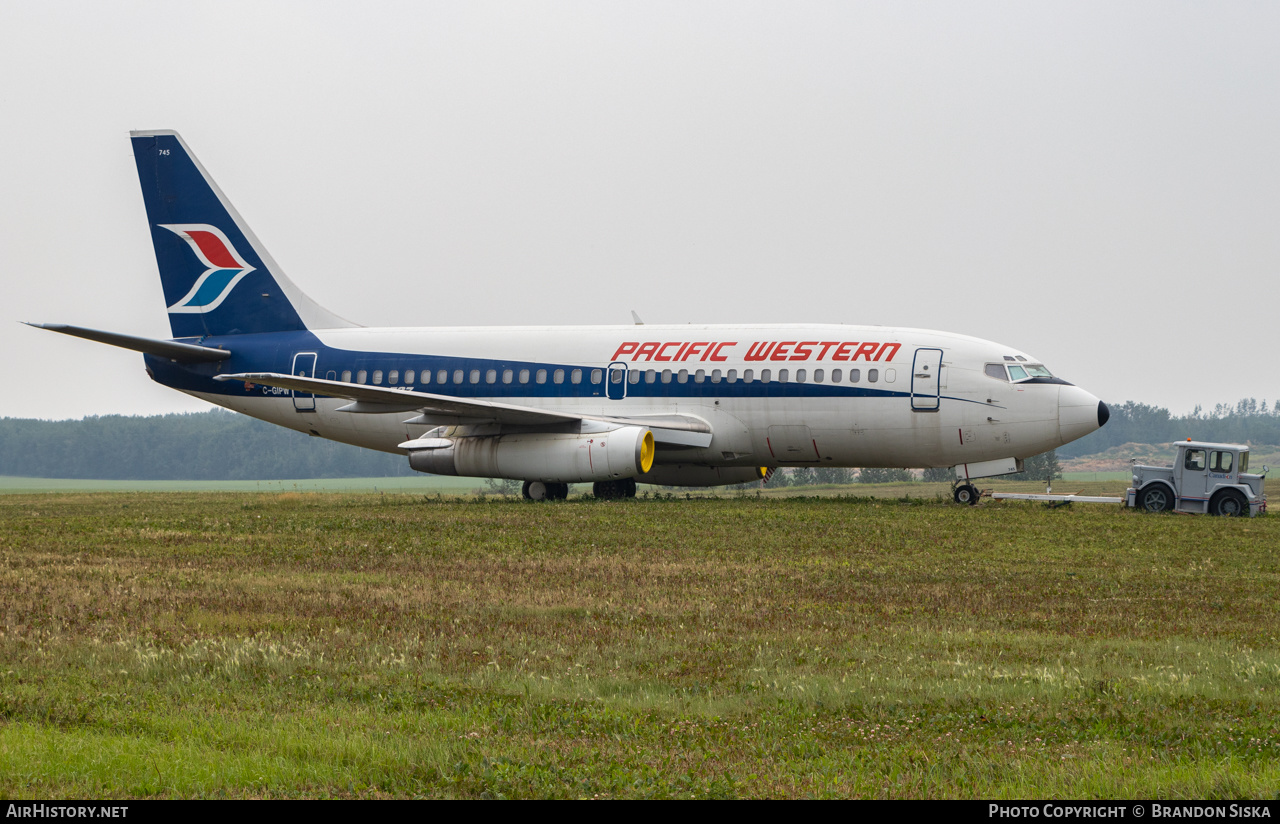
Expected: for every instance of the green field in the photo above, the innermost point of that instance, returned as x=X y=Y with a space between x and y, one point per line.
x=318 y=644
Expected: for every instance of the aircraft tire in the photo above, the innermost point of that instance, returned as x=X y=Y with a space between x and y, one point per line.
x=966 y=494
x=557 y=492
x=1156 y=498
x=536 y=491
x=1229 y=503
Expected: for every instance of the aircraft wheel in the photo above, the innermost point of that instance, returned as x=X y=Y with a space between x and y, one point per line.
x=611 y=490
x=626 y=488
x=966 y=494
x=1229 y=503
x=557 y=492
x=536 y=491
x=1156 y=498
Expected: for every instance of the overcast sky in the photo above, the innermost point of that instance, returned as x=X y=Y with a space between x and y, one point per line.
x=1095 y=183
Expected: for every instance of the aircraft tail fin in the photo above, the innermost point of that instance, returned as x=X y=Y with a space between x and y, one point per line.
x=218 y=278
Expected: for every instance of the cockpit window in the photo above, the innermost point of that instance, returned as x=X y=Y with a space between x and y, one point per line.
x=996 y=370
x=1020 y=372
x=1017 y=373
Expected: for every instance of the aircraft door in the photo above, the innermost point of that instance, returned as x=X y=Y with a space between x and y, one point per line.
x=615 y=381
x=304 y=366
x=926 y=371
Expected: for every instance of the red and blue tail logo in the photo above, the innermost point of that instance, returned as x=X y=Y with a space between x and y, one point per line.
x=226 y=266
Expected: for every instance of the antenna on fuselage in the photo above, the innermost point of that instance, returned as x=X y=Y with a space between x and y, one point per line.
x=636 y=318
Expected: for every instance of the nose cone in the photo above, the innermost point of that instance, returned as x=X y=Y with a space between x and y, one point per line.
x=1079 y=413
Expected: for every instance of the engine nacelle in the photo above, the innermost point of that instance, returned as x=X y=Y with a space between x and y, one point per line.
x=626 y=452
x=695 y=475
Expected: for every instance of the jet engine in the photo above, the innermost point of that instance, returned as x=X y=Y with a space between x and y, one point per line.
x=626 y=452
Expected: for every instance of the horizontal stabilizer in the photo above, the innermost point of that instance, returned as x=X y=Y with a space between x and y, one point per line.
x=173 y=350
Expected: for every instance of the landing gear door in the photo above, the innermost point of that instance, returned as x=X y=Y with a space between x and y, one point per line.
x=304 y=366
x=926 y=372
x=615 y=381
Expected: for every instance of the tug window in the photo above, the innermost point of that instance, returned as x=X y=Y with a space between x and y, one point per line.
x=575 y=376
x=1220 y=462
x=1194 y=460
x=346 y=376
x=995 y=370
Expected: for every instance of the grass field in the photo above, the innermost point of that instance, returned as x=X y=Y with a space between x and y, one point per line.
x=318 y=644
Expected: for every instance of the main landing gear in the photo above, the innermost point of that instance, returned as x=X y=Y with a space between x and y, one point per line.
x=966 y=494
x=542 y=491
x=609 y=490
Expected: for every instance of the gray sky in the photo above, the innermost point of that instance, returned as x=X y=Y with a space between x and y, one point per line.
x=1095 y=183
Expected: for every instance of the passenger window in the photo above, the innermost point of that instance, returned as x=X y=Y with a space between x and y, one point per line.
x=442 y=376
x=524 y=376
x=835 y=375
x=475 y=375
x=802 y=375
x=873 y=375
x=1220 y=462
x=699 y=376
x=457 y=375
x=508 y=375
x=890 y=375
x=558 y=376
x=749 y=375
x=615 y=376
x=633 y=376
x=596 y=376
x=575 y=376
x=408 y=376
x=540 y=376
x=764 y=375
x=346 y=376
x=682 y=376
x=650 y=376
x=393 y=377
x=732 y=377
x=783 y=375
x=817 y=376
x=995 y=370
x=362 y=376
x=855 y=375
x=490 y=376
x=666 y=376
x=377 y=377
x=1194 y=460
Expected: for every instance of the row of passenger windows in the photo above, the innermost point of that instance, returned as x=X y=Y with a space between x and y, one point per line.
x=461 y=376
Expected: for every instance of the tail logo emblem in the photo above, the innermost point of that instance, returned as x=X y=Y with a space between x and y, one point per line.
x=226 y=266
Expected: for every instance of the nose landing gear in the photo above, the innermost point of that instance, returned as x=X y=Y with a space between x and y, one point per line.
x=966 y=494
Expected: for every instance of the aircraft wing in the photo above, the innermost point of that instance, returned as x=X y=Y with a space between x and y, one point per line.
x=681 y=430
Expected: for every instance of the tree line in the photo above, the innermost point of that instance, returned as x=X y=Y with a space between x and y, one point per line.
x=222 y=445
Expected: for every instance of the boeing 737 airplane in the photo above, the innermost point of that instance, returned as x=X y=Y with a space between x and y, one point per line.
x=680 y=405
